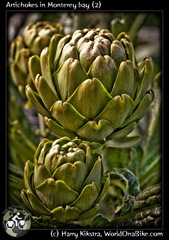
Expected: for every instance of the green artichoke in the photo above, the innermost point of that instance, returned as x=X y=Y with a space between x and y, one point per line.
x=66 y=181
x=35 y=38
x=89 y=85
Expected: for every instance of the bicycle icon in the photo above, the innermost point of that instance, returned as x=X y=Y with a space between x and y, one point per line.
x=16 y=221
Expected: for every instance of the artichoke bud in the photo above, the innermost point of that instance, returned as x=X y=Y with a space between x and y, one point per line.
x=90 y=72
x=19 y=61
x=37 y=36
x=62 y=183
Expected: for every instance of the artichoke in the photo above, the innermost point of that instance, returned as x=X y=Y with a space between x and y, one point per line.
x=66 y=181
x=35 y=38
x=89 y=85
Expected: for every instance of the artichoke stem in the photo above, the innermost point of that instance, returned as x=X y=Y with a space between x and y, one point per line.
x=41 y=126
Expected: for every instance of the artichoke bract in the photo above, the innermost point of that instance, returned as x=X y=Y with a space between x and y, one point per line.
x=34 y=38
x=66 y=181
x=90 y=85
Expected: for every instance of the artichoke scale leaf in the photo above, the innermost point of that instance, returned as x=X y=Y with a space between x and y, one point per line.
x=90 y=159
x=35 y=203
x=28 y=174
x=65 y=214
x=123 y=132
x=72 y=174
x=95 y=131
x=59 y=130
x=67 y=115
x=124 y=142
x=88 y=52
x=95 y=174
x=125 y=80
x=104 y=69
x=146 y=79
x=68 y=77
x=16 y=74
x=40 y=174
x=47 y=94
x=53 y=160
x=52 y=49
x=59 y=50
x=55 y=193
x=42 y=150
x=26 y=200
x=46 y=68
x=87 y=197
x=89 y=214
x=141 y=110
x=36 y=102
x=129 y=50
x=118 y=52
x=117 y=110
x=104 y=188
x=22 y=60
x=69 y=51
x=90 y=98
x=34 y=66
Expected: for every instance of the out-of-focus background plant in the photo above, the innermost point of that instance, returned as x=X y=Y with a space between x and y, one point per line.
x=134 y=195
